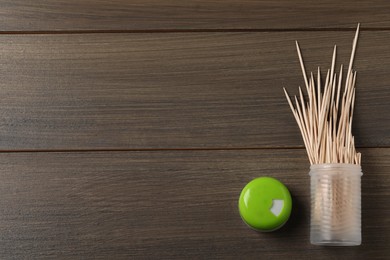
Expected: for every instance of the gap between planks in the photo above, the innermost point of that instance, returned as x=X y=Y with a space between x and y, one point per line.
x=167 y=149
x=195 y=30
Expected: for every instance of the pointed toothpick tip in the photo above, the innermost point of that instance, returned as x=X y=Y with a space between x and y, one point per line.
x=298 y=48
x=357 y=31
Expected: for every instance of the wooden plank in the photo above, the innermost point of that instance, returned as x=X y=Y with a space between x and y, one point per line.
x=59 y=15
x=169 y=205
x=178 y=90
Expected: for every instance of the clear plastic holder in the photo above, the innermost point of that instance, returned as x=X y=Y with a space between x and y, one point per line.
x=335 y=204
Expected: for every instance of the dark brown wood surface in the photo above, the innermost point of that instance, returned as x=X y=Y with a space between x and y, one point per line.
x=129 y=128
x=136 y=15
x=176 y=90
x=169 y=204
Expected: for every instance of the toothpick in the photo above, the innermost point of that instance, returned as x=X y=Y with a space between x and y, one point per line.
x=302 y=65
x=325 y=119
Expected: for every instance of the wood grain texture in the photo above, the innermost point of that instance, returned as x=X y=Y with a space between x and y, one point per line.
x=169 y=205
x=176 y=90
x=59 y=15
x=191 y=87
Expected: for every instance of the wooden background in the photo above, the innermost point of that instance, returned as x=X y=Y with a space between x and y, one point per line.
x=129 y=128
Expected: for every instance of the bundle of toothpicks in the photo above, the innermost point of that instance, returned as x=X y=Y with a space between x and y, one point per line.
x=325 y=116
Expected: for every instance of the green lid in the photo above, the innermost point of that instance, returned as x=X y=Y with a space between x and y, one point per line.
x=265 y=204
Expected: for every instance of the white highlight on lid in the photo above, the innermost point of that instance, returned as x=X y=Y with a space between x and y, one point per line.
x=277 y=206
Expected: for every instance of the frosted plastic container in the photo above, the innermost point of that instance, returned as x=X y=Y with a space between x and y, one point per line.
x=335 y=204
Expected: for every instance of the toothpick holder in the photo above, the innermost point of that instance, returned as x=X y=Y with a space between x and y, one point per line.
x=335 y=204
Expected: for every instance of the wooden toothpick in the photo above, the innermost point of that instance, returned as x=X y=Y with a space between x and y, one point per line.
x=325 y=118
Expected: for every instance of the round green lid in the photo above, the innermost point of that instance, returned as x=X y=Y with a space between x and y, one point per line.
x=265 y=204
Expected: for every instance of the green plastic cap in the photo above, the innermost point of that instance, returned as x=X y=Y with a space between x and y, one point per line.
x=265 y=204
